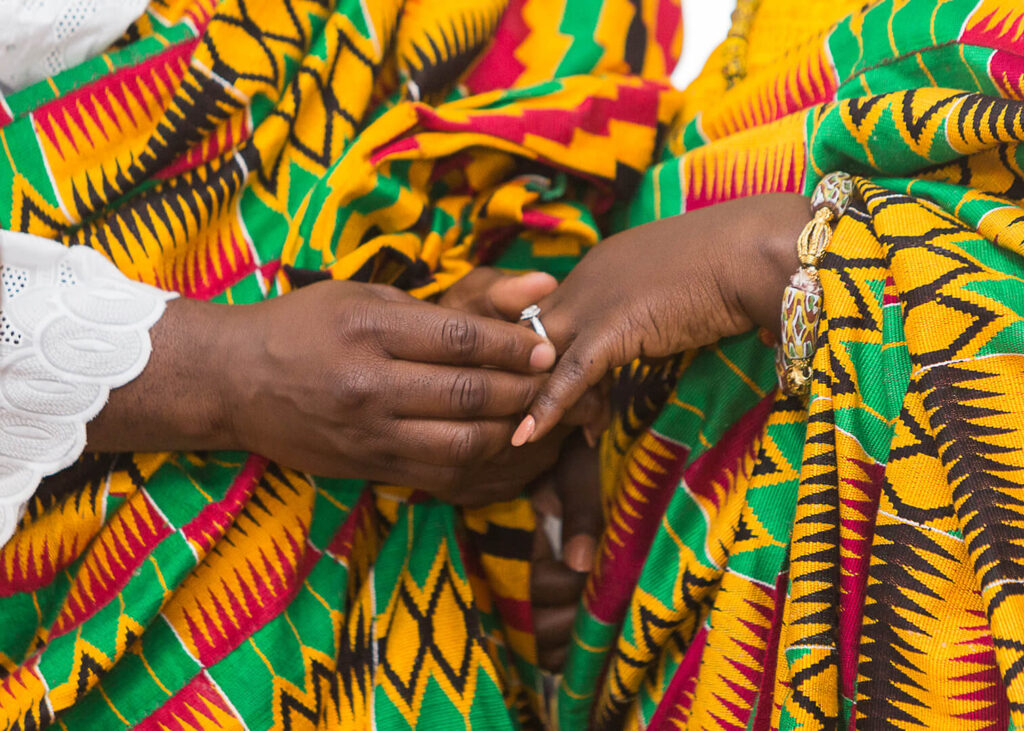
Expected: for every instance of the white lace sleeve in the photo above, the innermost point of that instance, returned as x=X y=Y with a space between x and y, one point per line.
x=72 y=327
x=40 y=38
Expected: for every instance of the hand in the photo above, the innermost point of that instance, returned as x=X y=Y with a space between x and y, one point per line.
x=669 y=286
x=340 y=379
x=572 y=492
x=490 y=293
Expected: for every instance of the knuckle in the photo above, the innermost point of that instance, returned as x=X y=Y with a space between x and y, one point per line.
x=548 y=401
x=575 y=366
x=353 y=389
x=459 y=336
x=362 y=323
x=466 y=444
x=468 y=394
x=573 y=370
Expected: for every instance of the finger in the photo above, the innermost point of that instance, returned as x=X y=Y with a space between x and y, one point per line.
x=553 y=659
x=578 y=483
x=548 y=448
x=508 y=474
x=544 y=499
x=508 y=296
x=553 y=625
x=553 y=584
x=438 y=481
x=448 y=483
x=444 y=443
x=469 y=294
x=581 y=367
x=431 y=334
x=590 y=409
x=493 y=293
x=446 y=392
x=490 y=484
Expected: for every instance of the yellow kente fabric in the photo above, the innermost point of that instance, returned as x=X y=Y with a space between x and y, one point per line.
x=237 y=149
x=856 y=561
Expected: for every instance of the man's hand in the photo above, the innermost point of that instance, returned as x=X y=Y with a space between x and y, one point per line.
x=572 y=493
x=339 y=379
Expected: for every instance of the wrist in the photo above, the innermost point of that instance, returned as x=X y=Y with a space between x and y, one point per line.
x=215 y=333
x=772 y=230
x=178 y=402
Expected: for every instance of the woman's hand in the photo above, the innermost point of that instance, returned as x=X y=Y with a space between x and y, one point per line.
x=339 y=379
x=669 y=286
x=491 y=293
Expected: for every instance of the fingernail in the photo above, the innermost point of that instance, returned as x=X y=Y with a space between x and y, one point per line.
x=538 y=278
x=579 y=553
x=524 y=431
x=589 y=437
x=543 y=357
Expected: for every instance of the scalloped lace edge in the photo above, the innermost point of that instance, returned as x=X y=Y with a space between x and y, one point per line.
x=72 y=327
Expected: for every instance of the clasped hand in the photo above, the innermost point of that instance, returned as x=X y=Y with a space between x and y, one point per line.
x=357 y=380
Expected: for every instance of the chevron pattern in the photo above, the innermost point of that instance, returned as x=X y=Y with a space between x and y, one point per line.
x=853 y=563
x=233 y=150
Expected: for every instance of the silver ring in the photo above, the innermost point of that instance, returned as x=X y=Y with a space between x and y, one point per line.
x=532 y=313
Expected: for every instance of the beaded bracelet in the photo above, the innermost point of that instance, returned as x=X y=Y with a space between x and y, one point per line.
x=801 y=303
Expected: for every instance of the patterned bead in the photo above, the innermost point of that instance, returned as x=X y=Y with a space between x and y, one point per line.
x=833 y=192
x=798 y=379
x=801 y=312
x=801 y=303
x=794 y=376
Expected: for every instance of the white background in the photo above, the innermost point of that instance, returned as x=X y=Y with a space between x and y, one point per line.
x=705 y=25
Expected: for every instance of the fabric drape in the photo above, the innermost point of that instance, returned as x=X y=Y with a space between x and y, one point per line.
x=235 y=150
x=857 y=562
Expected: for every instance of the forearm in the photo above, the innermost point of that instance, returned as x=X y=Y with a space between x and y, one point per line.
x=179 y=401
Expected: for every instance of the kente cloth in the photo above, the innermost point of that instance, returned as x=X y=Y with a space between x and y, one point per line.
x=235 y=150
x=856 y=561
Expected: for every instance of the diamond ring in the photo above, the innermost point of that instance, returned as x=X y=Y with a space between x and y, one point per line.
x=532 y=313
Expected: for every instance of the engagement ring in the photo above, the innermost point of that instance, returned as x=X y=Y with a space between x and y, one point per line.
x=532 y=313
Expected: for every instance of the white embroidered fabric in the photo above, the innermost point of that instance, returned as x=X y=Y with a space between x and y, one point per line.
x=72 y=327
x=41 y=38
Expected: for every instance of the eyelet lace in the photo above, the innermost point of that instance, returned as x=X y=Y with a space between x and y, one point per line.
x=72 y=327
x=41 y=38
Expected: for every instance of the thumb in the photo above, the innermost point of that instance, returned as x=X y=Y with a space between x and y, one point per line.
x=578 y=483
x=509 y=296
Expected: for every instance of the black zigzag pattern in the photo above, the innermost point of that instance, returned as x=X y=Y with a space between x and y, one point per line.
x=458 y=676
x=903 y=553
x=650 y=634
x=817 y=567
